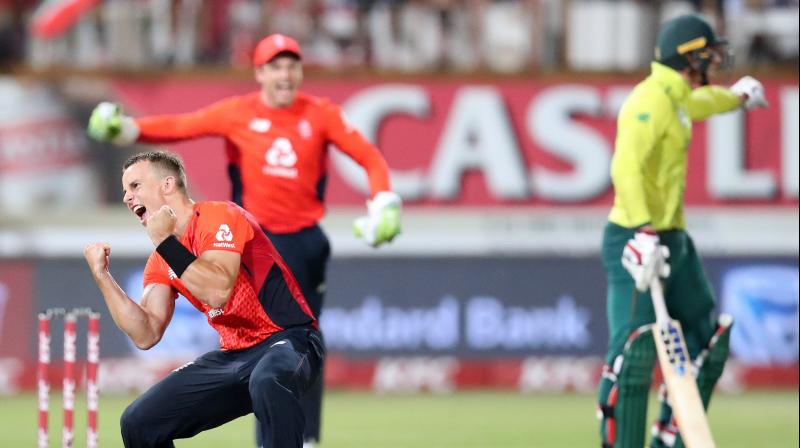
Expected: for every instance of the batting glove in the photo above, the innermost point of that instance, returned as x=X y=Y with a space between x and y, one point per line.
x=108 y=124
x=754 y=91
x=382 y=222
x=644 y=258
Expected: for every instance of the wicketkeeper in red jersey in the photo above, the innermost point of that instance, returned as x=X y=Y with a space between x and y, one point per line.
x=215 y=255
x=276 y=141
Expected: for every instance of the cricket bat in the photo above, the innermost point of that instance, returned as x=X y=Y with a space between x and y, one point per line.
x=676 y=367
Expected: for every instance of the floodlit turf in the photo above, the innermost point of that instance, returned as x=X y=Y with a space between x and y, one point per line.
x=479 y=420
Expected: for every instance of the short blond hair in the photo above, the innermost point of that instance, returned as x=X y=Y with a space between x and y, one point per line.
x=166 y=161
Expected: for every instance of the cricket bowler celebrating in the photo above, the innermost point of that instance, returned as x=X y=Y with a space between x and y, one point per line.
x=215 y=255
x=277 y=142
x=648 y=171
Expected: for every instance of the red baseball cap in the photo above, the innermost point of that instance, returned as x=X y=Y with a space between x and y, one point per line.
x=272 y=45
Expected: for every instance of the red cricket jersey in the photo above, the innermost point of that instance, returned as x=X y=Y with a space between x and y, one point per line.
x=277 y=157
x=266 y=297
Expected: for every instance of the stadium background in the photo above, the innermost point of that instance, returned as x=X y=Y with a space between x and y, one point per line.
x=497 y=118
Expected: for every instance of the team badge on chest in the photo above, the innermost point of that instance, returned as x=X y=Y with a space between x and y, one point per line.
x=304 y=129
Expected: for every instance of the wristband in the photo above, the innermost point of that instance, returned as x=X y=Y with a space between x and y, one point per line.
x=175 y=254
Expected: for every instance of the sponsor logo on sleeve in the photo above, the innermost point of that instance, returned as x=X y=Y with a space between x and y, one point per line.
x=224 y=236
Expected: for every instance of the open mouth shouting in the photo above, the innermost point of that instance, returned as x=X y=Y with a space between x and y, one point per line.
x=140 y=211
x=284 y=92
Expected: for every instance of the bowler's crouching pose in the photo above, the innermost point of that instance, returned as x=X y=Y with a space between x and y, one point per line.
x=217 y=256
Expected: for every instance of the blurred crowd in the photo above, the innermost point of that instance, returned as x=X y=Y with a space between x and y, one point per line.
x=390 y=35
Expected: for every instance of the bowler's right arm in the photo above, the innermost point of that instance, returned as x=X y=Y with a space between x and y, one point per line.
x=143 y=322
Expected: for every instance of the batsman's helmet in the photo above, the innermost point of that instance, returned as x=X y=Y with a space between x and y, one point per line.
x=683 y=36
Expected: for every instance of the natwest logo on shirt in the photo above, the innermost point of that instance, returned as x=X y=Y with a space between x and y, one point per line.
x=281 y=159
x=224 y=235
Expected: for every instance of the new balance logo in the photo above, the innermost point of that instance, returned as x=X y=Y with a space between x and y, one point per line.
x=184 y=366
x=260 y=125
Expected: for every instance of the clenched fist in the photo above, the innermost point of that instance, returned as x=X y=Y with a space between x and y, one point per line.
x=752 y=92
x=96 y=255
x=161 y=224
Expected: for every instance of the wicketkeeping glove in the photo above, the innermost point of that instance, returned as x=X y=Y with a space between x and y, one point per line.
x=751 y=87
x=382 y=222
x=108 y=124
x=644 y=258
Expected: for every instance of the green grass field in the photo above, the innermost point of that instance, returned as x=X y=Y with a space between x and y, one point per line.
x=479 y=420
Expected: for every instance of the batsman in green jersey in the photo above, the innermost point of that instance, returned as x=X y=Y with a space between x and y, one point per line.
x=646 y=224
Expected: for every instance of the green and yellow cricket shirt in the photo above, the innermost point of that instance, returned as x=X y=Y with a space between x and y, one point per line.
x=654 y=129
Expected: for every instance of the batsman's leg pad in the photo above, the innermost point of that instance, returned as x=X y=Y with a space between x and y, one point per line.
x=624 y=387
x=707 y=368
x=664 y=429
x=710 y=363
